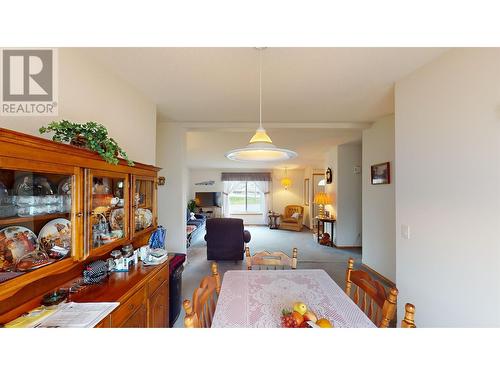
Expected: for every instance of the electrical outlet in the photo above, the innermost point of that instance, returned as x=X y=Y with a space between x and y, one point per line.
x=405 y=231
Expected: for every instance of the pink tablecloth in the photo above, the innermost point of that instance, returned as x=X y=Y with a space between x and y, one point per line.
x=256 y=298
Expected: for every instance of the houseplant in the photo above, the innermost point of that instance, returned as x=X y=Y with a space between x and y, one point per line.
x=90 y=135
x=191 y=205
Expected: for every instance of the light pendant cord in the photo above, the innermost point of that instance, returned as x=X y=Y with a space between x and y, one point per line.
x=260 y=90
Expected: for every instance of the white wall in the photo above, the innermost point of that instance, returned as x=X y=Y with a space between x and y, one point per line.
x=345 y=191
x=349 y=196
x=90 y=92
x=379 y=212
x=199 y=175
x=172 y=202
x=448 y=190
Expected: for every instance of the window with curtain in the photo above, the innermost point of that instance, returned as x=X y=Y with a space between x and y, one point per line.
x=246 y=198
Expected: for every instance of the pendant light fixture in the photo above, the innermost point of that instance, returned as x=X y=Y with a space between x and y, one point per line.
x=286 y=181
x=260 y=147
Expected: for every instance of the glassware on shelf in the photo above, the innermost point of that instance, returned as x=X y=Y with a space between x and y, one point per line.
x=3 y=191
x=143 y=218
x=7 y=202
x=108 y=221
x=40 y=205
x=34 y=226
x=143 y=203
x=7 y=210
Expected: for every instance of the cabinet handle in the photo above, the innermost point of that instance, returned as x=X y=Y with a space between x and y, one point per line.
x=79 y=214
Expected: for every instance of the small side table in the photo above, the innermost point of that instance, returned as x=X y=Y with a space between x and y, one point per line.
x=321 y=228
x=273 y=221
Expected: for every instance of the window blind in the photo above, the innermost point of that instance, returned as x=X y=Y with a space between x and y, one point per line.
x=252 y=176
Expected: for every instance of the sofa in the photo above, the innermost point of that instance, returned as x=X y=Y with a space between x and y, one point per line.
x=226 y=239
x=293 y=218
x=194 y=226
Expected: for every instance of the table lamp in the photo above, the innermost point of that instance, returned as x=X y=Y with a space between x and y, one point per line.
x=322 y=199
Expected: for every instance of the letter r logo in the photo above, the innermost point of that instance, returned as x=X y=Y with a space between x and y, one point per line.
x=27 y=75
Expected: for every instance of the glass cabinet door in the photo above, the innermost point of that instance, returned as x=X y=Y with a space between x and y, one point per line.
x=107 y=210
x=144 y=203
x=37 y=217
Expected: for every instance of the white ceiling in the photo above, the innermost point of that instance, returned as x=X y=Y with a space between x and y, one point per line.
x=299 y=84
x=313 y=98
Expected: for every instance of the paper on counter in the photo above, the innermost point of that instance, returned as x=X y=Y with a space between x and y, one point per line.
x=79 y=315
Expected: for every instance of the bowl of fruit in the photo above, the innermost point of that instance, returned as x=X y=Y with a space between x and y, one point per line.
x=301 y=317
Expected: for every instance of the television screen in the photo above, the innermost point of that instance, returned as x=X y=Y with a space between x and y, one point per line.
x=208 y=199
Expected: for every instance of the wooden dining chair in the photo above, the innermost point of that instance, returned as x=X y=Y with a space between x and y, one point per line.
x=275 y=260
x=409 y=319
x=379 y=306
x=200 y=313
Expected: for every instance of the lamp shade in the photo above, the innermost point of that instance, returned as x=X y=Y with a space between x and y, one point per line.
x=260 y=150
x=322 y=198
x=286 y=182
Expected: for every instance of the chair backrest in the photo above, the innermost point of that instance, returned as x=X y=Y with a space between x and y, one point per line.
x=199 y=314
x=370 y=296
x=409 y=319
x=266 y=260
x=224 y=232
x=291 y=209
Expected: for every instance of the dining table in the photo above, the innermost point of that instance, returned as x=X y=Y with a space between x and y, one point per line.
x=256 y=298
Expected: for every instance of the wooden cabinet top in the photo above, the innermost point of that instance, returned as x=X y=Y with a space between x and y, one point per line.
x=119 y=285
x=326 y=219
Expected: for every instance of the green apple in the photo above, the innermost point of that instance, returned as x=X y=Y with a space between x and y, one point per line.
x=300 y=307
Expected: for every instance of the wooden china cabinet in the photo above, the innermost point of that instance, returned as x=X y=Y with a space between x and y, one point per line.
x=62 y=207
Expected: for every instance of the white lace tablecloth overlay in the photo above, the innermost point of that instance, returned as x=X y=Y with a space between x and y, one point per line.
x=256 y=298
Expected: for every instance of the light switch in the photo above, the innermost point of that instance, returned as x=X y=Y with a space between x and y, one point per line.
x=405 y=231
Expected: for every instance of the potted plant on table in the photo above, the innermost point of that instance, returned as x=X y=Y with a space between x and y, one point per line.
x=91 y=135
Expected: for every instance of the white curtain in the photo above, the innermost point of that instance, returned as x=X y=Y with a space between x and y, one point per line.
x=263 y=187
x=229 y=187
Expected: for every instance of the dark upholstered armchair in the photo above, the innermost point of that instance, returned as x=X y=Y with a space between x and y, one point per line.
x=226 y=239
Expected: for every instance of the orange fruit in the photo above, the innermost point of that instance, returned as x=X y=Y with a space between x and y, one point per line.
x=298 y=318
x=324 y=323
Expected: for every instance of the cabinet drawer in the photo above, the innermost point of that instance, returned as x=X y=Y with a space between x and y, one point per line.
x=127 y=308
x=158 y=307
x=158 y=279
x=137 y=320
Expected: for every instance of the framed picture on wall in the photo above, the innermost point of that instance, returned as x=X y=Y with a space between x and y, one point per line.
x=381 y=173
x=306 y=192
x=329 y=175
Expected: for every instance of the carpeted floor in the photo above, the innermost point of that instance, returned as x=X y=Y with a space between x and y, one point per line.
x=311 y=255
